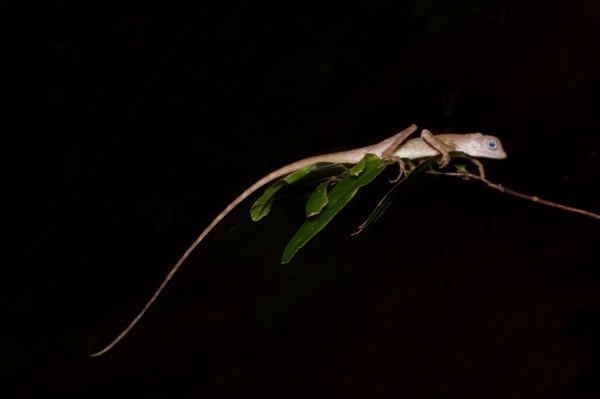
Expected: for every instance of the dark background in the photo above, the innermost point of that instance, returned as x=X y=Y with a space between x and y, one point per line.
x=127 y=126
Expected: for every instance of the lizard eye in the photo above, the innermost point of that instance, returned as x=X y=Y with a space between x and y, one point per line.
x=492 y=145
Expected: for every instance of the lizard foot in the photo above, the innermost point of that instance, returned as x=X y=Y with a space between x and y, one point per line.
x=444 y=161
x=401 y=165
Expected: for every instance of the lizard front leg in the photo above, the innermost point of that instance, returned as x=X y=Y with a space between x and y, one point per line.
x=439 y=145
x=444 y=149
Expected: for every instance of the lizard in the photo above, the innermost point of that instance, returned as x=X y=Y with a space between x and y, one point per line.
x=392 y=149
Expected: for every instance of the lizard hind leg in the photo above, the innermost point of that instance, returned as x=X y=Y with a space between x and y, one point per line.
x=389 y=155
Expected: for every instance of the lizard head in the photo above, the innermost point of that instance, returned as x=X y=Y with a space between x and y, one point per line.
x=480 y=145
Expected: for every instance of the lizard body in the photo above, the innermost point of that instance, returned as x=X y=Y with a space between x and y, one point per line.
x=394 y=148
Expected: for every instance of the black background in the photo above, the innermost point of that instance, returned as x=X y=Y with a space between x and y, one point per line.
x=128 y=125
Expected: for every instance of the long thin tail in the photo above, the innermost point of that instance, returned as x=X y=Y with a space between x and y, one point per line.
x=338 y=157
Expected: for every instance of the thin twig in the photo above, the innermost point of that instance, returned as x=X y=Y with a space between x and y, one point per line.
x=499 y=187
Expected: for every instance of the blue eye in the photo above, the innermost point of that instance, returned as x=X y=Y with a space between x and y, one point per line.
x=492 y=144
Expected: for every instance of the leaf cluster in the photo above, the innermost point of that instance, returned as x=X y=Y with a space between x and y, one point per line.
x=326 y=201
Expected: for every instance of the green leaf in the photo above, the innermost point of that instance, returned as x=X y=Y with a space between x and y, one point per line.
x=263 y=204
x=462 y=168
x=359 y=167
x=339 y=197
x=317 y=200
x=299 y=174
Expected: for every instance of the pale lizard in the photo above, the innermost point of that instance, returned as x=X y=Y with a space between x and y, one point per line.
x=394 y=149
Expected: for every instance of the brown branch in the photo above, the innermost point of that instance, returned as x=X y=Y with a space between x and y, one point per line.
x=502 y=189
